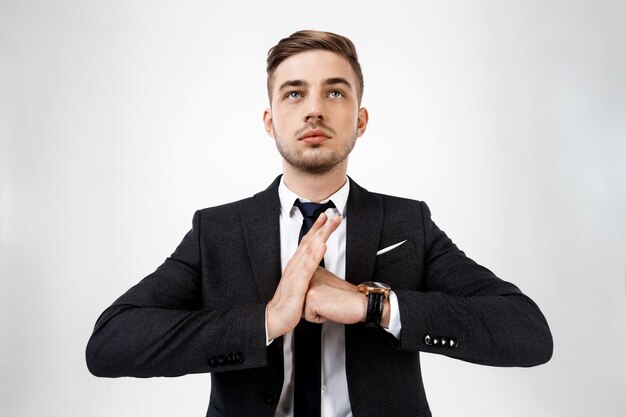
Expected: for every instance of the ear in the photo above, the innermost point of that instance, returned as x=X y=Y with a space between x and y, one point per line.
x=267 y=122
x=361 y=121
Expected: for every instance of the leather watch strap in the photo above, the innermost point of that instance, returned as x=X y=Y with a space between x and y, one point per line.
x=375 y=304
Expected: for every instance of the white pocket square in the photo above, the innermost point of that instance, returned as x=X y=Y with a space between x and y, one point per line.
x=388 y=248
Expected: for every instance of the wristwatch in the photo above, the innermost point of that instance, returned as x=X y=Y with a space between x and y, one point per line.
x=376 y=293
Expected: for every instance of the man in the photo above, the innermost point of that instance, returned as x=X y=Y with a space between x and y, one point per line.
x=242 y=298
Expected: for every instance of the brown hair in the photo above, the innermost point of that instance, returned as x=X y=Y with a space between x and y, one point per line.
x=306 y=40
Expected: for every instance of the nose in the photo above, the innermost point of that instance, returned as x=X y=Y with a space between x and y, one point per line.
x=314 y=110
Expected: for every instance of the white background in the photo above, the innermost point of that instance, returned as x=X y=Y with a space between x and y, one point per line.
x=119 y=118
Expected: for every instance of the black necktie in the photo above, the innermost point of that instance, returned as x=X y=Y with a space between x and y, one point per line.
x=307 y=350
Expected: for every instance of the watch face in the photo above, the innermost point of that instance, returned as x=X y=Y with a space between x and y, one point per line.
x=377 y=285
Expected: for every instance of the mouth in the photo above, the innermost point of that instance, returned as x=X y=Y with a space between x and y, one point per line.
x=314 y=137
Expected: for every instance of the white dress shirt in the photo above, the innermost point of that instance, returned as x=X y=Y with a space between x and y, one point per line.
x=335 y=400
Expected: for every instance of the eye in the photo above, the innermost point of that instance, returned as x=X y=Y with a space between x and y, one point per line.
x=294 y=94
x=335 y=94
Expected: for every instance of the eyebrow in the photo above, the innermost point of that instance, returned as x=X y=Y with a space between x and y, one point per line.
x=301 y=83
x=291 y=83
x=337 y=80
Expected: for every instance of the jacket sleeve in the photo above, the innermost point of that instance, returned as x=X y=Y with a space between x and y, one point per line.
x=160 y=327
x=464 y=311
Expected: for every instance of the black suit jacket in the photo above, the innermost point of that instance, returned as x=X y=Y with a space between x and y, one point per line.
x=203 y=309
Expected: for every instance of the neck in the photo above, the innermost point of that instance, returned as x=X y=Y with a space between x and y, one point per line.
x=315 y=187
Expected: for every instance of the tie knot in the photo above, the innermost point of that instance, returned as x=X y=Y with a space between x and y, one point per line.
x=313 y=210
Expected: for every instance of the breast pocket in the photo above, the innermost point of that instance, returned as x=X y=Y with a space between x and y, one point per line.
x=399 y=267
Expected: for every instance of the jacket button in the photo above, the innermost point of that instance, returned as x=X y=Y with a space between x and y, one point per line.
x=221 y=360
x=428 y=340
x=212 y=361
x=435 y=341
x=444 y=342
x=238 y=357
x=230 y=359
x=453 y=343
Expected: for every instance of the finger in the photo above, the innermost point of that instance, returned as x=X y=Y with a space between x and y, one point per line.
x=312 y=316
x=328 y=228
x=312 y=243
x=321 y=220
x=318 y=319
x=312 y=248
x=303 y=263
x=310 y=251
x=324 y=226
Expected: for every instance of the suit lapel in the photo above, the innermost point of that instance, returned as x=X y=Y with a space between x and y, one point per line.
x=262 y=234
x=365 y=224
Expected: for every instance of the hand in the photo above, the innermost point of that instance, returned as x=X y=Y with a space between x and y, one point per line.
x=285 y=308
x=332 y=298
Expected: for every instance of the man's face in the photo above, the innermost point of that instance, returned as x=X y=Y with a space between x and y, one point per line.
x=315 y=117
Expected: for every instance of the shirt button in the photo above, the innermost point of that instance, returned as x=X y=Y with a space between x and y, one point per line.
x=323 y=388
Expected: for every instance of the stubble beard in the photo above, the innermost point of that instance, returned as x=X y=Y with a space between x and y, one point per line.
x=316 y=161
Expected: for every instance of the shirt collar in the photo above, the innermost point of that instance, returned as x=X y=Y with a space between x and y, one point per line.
x=287 y=198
